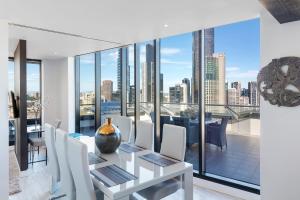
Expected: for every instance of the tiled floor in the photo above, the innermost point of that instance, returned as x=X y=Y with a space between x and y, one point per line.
x=35 y=184
x=239 y=161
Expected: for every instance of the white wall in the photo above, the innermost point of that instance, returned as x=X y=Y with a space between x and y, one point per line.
x=4 y=109
x=71 y=93
x=55 y=92
x=280 y=131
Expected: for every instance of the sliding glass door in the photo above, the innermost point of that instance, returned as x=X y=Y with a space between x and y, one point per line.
x=177 y=105
x=204 y=81
x=111 y=83
x=87 y=93
x=231 y=102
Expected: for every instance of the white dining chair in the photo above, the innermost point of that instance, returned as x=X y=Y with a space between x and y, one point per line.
x=53 y=166
x=173 y=141
x=173 y=145
x=66 y=179
x=145 y=135
x=125 y=126
x=78 y=160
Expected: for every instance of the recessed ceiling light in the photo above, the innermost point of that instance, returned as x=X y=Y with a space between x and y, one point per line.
x=166 y=25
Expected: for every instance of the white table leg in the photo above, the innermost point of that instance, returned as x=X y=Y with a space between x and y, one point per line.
x=188 y=185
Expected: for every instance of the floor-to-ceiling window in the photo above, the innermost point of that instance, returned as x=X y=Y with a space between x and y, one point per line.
x=87 y=93
x=232 y=117
x=146 y=81
x=177 y=104
x=130 y=83
x=34 y=106
x=111 y=83
x=206 y=84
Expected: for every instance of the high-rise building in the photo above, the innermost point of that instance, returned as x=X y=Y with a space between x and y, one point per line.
x=148 y=75
x=237 y=85
x=245 y=92
x=107 y=90
x=131 y=95
x=215 y=79
x=184 y=98
x=188 y=88
x=150 y=72
x=161 y=87
x=252 y=93
x=244 y=101
x=119 y=71
x=144 y=83
x=175 y=94
x=196 y=65
x=208 y=52
x=209 y=42
x=232 y=96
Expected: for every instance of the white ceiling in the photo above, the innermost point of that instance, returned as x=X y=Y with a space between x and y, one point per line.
x=120 y=21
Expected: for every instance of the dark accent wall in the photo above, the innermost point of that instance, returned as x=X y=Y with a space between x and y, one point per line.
x=283 y=10
x=21 y=93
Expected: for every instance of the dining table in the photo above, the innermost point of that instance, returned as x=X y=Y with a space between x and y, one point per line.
x=131 y=164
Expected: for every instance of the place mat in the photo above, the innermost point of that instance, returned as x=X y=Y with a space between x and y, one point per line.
x=158 y=159
x=95 y=159
x=112 y=175
x=130 y=148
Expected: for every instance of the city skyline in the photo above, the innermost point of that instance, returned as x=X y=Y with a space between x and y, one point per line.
x=239 y=42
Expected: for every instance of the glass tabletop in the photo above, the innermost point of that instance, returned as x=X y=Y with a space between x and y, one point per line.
x=147 y=173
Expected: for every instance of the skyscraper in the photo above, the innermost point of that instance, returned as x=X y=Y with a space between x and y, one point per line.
x=148 y=75
x=175 y=94
x=184 y=93
x=161 y=87
x=252 y=93
x=119 y=71
x=107 y=90
x=209 y=48
x=196 y=66
x=150 y=72
x=131 y=96
x=215 y=79
x=209 y=42
x=232 y=96
x=188 y=88
x=237 y=85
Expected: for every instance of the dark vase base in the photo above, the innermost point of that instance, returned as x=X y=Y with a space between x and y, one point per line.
x=108 y=143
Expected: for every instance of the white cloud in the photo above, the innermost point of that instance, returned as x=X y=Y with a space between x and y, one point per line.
x=250 y=74
x=169 y=51
x=167 y=61
x=232 y=69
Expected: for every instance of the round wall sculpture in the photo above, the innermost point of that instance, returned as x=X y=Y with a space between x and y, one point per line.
x=279 y=82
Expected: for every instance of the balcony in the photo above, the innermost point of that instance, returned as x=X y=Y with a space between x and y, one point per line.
x=239 y=161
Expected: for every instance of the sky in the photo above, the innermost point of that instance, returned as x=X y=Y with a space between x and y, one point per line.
x=239 y=42
x=33 y=77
